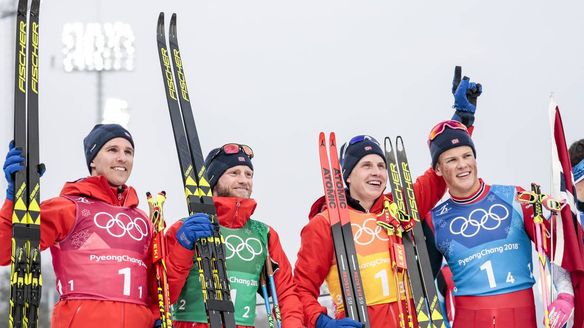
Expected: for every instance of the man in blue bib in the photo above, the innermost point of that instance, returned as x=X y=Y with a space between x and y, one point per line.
x=485 y=235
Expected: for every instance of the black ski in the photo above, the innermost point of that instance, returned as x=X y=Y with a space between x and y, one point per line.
x=342 y=233
x=25 y=278
x=419 y=270
x=210 y=251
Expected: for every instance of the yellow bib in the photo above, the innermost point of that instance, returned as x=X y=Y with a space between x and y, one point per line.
x=372 y=246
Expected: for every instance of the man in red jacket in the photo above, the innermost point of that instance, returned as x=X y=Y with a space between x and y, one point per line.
x=365 y=175
x=99 y=240
x=247 y=242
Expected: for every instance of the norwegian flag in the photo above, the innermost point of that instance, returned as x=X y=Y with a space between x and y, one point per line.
x=569 y=250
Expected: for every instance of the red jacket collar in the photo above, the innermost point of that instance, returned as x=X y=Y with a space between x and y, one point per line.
x=234 y=212
x=320 y=204
x=478 y=195
x=98 y=188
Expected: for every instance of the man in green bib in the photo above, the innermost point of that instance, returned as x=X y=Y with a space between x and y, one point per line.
x=247 y=245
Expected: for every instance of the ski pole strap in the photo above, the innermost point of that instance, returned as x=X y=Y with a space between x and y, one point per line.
x=155 y=206
x=406 y=222
x=389 y=221
x=395 y=220
x=547 y=201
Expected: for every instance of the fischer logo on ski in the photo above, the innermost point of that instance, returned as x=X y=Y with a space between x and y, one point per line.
x=418 y=270
x=210 y=252
x=25 y=275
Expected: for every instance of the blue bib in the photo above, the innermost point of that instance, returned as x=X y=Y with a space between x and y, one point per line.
x=485 y=243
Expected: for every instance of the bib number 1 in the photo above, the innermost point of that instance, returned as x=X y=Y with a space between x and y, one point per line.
x=127 y=273
x=488 y=267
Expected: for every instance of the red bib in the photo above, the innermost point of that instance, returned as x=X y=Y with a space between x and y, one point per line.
x=105 y=256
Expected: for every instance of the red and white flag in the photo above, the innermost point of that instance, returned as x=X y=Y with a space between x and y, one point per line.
x=569 y=249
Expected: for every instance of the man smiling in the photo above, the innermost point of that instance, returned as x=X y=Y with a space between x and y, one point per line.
x=365 y=174
x=100 y=241
x=249 y=244
x=485 y=235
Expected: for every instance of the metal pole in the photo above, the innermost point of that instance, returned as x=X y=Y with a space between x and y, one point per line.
x=99 y=95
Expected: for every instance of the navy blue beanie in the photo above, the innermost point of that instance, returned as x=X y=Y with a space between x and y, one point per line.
x=353 y=151
x=448 y=139
x=217 y=162
x=99 y=136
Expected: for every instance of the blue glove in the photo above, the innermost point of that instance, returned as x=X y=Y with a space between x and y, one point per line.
x=157 y=324
x=465 y=97
x=194 y=227
x=14 y=162
x=466 y=94
x=324 y=321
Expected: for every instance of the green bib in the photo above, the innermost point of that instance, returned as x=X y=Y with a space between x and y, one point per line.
x=245 y=254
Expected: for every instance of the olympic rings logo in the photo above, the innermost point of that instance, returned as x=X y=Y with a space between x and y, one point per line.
x=488 y=220
x=121 y=224
x=367 y=233
x=245 y=249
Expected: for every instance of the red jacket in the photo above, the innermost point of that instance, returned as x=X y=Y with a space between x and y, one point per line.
x=58 y=217
x=317 y=252
x=234 y=213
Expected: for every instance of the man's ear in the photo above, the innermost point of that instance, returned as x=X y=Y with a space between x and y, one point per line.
x=92 y=167
x=437 y=170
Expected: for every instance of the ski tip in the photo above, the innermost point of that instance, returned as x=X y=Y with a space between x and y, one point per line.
x=160 y=25
x=22 y=6
x=332 y=139
x=172 y=27
x=387 y=144
x=321 y=139
x=34 y=7
x=399 y=143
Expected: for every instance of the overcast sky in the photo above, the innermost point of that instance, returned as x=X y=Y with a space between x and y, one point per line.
x=272 y=74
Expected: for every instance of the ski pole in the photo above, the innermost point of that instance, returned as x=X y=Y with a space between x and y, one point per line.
x=394 y=253
x=158 y=256
x=266 y=299
x=270 y=272
x=535 y=198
